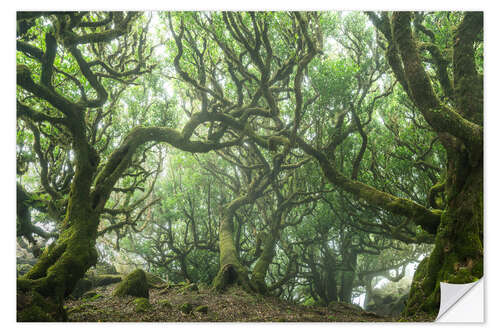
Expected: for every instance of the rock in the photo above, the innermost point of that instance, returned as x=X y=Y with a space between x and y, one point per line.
x=387 y=304
x=203 y=286
x=142 y=304
x=134 y=284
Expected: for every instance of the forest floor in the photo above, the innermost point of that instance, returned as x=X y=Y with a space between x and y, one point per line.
x=181 y=304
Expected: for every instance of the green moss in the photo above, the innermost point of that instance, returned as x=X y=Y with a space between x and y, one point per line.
x=477 y=269
x=96 y=297
x=188 y=287
x=202 y=309
x=165 y=304
x=203 y=286
x=33 y=313
x=33 y=307
x=142 y=305
x=457 y=256
x=186 y=308
x=134 y=284
x=24 y=284
x=463 y=275
x=22 y=269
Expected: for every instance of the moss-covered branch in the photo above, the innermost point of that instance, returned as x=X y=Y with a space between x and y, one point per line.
x=25 y=81
x=24 y=111
x=427 y=219
x=468 y=84
x=440 y=116
x=120 y=159
x=122 y=25
x=48 y=60
x=102 y=94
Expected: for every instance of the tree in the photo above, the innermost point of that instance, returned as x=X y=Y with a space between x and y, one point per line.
x=70 y=75
x=400 y=154
x=257 y=56
x=446 y=86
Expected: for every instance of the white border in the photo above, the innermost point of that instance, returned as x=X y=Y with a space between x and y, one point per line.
x=7 y=132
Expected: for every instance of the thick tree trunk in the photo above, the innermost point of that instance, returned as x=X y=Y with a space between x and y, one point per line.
x=231 y=271
x=42 y=290
x=458 y=253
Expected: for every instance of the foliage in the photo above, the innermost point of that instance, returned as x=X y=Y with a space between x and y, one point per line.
x=305 y=155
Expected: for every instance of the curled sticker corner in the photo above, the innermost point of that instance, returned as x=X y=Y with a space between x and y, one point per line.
x=452 y=294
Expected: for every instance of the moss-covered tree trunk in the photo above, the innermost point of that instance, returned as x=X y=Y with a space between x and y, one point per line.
x=456 y=116
x=265 y=259
x=42 y=290
x=458 y=253
x=259 y=272
x=57 y=272
x=231 y=271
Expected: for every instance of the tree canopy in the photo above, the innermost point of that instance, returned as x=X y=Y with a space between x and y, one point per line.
x=304 y=155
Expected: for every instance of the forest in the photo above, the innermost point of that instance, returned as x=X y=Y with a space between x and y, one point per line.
x=246 y=166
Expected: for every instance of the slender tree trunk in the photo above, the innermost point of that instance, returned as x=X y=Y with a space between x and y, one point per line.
x=331 y=292
x=184 y=269
x=262 y=265
x=330 y=275
x=369 y=292
x=348 y=276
